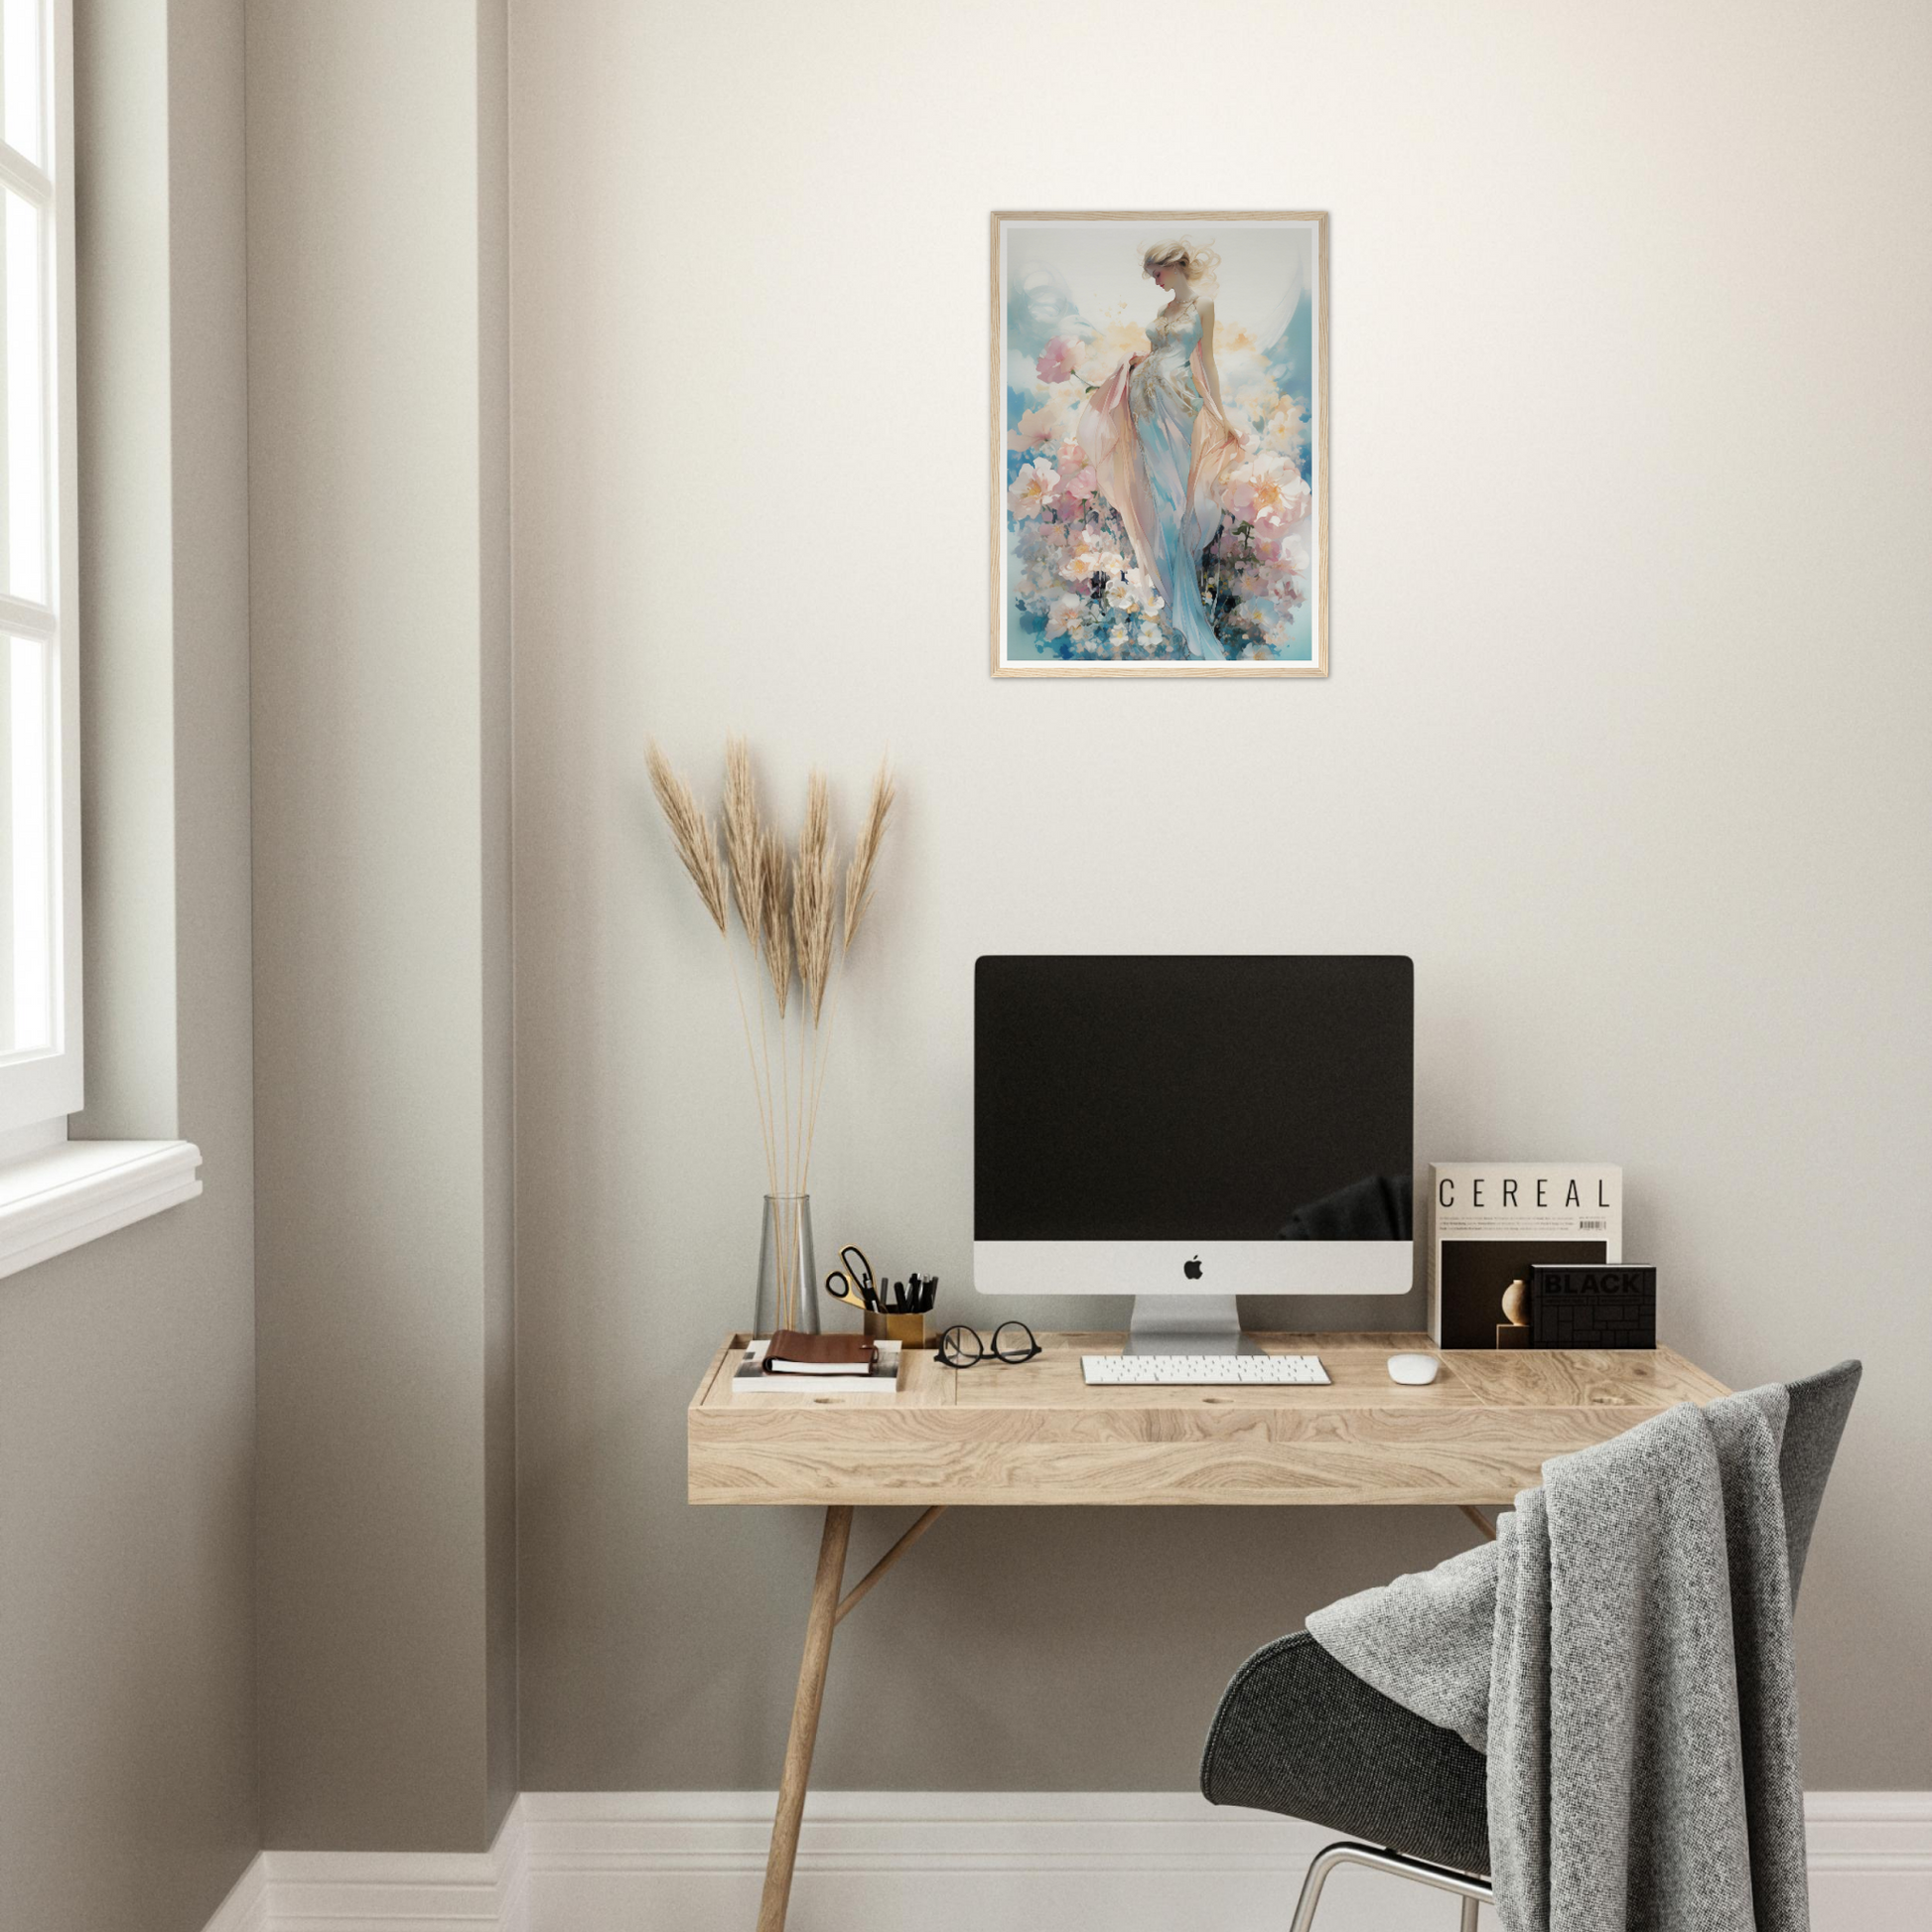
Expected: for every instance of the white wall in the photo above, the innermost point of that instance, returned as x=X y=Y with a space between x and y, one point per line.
x=1624 y=743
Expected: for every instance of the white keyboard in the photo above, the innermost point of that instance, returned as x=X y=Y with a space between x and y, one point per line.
x=1201 y=1371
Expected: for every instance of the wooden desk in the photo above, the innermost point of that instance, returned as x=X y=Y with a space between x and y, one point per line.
x=1033 y=1433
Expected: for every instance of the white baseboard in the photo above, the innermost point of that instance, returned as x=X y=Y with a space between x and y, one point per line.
x=245 y=1909
x=384 y=1892
x=954 y=1862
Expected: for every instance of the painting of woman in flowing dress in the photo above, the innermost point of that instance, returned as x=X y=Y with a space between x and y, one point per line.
x=1160 y=420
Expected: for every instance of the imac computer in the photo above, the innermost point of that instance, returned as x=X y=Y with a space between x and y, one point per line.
x=1187 y=1128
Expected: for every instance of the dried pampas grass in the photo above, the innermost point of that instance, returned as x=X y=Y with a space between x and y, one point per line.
x=787 y=909
x=815 y=896
x=775 y=918
x=743 y=847
x=865 y=852
x=691 y=833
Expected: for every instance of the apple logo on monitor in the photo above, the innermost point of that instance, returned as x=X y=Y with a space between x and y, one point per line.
x=1191 y=1269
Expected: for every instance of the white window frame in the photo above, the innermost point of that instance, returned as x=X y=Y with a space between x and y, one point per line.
x=38 y=1089
x=57 y=1192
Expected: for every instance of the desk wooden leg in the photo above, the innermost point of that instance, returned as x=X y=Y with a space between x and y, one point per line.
x=856 y=1594
x=1479 y=1519
x=804 y=1718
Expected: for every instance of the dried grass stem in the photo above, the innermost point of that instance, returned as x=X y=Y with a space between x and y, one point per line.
x=789 y=916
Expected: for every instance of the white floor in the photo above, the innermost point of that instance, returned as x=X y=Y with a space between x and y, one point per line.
x=958 y=1861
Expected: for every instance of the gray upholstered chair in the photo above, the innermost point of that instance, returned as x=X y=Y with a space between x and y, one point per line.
x=1299 y=1733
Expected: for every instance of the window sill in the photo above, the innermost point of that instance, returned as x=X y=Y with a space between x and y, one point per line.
x=79 y=1191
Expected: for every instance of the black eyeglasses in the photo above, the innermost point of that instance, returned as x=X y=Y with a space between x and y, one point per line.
x=1012 y=1342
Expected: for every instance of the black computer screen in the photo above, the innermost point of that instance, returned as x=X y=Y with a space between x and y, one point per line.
x=1193 y=1098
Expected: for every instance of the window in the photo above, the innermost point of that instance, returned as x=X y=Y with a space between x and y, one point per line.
x=40 y=846
x=55 y=1194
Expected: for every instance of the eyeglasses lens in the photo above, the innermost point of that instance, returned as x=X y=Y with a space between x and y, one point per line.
x=960 y=1347
x=1012 y=1342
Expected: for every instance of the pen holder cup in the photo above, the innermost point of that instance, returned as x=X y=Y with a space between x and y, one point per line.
x=907 y=1329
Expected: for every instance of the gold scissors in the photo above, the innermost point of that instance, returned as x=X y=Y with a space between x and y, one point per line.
x=852 y=1282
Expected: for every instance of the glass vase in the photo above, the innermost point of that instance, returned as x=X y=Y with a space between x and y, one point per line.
x=787 y=1272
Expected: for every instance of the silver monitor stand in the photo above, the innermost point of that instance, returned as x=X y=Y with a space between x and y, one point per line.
x=1186 y=1325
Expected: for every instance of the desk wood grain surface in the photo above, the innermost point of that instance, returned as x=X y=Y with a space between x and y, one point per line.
x=1033 y=1435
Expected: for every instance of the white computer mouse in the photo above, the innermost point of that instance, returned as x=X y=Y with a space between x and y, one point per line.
x=1415 y=1369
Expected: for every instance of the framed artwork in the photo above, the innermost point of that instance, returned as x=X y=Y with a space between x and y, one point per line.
x=1159 y=445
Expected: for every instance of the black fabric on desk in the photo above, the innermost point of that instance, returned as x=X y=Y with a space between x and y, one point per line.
x=1299 y=1733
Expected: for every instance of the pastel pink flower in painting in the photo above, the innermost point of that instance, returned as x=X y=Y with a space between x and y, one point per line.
x=1266 y=539
x=1268 y=534
x=1285 y=430
x=1267 y=489
x=1058 y=359
x=1032 y=489
x=1295 y=501
x=1038 y=428
x=1082 y=559
x=1242 y=500
x=1077 y=479
x=1064 y=615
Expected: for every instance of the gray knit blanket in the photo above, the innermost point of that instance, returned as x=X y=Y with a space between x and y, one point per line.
x=1623 y=1653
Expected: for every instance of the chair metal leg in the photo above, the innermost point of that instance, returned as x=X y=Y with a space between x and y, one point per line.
x=1472 y=1892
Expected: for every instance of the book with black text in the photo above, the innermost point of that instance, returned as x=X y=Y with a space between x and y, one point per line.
x=1490 y=1221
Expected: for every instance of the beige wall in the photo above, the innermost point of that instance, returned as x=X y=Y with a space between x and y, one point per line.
x=1625 y=743
x=127 y=1774
x=378 y=507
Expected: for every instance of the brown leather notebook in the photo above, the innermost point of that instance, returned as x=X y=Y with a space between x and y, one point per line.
x=794 y=1353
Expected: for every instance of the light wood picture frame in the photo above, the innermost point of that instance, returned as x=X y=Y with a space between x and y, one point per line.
x=1159 y=455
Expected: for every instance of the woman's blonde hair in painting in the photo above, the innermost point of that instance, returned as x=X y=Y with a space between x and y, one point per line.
x=1197 y=261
